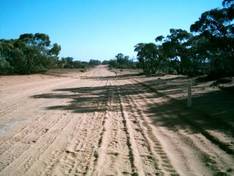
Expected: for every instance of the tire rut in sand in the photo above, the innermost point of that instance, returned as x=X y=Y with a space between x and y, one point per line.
x=212 y=138
x=22 y=141
x=207 y=153
x=114 y=150
x=153 y=156
x=133 y=153
x=80 y=156
x=27 y=158
x=50 y=158
x=76 y=157
x=21 y=133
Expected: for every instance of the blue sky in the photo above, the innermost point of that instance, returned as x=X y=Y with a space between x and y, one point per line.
x=99 y=29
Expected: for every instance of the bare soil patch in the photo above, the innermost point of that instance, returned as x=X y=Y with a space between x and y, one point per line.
x=105 y=122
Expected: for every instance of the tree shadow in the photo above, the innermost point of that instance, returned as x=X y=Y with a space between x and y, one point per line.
x=81 y=99
x=116 y=77
x=85 y=99
x=211 y=111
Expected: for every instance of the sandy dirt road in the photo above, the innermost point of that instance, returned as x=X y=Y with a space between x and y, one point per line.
x=95 y=123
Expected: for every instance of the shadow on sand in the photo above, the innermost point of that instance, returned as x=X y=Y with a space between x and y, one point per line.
x=213 y=110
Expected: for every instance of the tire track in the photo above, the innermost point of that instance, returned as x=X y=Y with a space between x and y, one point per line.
x=154 y=153
x=156 y=150
x=114 y=150
x=213 y=139
x=115 y=136
x=26 y=160
x=80 y=157
x=22 y=142
x=30 y=127
x=134 y=156
x=222 y=145
x=50 y=158
x=205 y=156
x=75 y=157
x=8 y=113
x=21 y=136
x=22 y=98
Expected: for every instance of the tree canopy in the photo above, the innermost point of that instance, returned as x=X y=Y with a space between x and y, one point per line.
x=207 y=49
x=121 y=61
x=30 y=53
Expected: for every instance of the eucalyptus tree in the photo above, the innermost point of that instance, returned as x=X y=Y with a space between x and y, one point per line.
x=147 y=54
x=176 y=48
x=216 y=28
x=29 y=53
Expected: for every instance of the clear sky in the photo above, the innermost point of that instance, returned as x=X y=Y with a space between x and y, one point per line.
x=99 y=29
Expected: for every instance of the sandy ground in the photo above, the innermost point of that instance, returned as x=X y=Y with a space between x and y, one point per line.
x=97 y=123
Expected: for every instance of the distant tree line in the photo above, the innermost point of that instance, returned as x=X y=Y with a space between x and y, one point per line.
x=121 y=61
x=207 y=49
x=70 y=62
x=34 y=53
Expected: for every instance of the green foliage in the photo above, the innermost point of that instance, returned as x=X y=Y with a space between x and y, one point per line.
x=5 y=66
x=148 y=56
x=70 y=62
x=30 y=53
x=93 y=62
x=208 y=49
x=66 y=62
x=216 y=26
x=121 y=62
x=105 y=62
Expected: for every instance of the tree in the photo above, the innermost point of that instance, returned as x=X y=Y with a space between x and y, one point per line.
x=93 y=62
x=54 y=51
x=148 y=56
x=67 y=62
x=30 y=53
x=216 y=26
x=177 y=47
x=121 y=62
